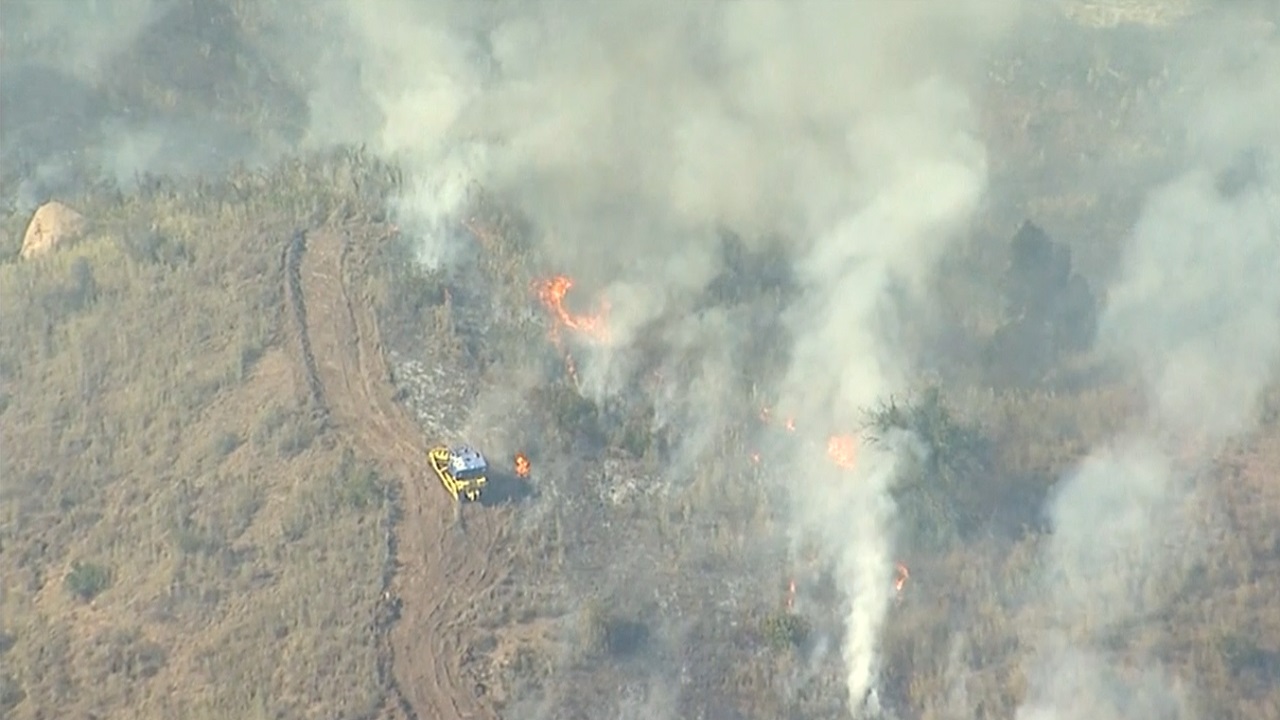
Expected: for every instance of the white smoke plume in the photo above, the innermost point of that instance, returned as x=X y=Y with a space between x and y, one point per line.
x=931 y=174
x=1197 y=313
x=631 y=131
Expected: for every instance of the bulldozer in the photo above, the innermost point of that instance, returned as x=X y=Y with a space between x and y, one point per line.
x=462 y=470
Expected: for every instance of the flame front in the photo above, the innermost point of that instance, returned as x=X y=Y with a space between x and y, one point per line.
x=843 y=450
x=522 y=465
x=552 y=292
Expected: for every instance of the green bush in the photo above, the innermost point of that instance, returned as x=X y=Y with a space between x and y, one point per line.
x=782 y=630
x=940 y=492
x=87 y=580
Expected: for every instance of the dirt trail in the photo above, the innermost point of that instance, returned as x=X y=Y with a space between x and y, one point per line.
x=444 y=572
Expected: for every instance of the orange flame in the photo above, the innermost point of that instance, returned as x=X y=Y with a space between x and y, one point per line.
x=843 y=450
x=901 y=580
x=522 y=465
x=552 y=293
x=791 y=594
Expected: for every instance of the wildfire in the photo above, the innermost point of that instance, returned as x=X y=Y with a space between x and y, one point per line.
x=791 y=594
x=901 y=580
x=843 y=450
x=552 y=293
x=522 y=465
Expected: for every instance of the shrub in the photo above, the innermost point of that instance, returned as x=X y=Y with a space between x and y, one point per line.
x=87 y=580
x=783 y=630
x=940 y=492
x=225 y=444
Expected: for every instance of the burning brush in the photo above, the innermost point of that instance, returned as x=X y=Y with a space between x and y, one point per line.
x=551 y=292
x=841 y=449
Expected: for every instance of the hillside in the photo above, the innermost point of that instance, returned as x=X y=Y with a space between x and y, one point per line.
x=215 y=406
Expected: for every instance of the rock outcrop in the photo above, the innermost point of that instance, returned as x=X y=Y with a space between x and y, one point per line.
x=52 y=225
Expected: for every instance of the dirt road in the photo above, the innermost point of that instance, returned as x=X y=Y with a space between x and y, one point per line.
x=444 y=570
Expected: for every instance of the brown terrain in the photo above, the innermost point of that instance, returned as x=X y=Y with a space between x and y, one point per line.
x=445 y=570
x=215 y=407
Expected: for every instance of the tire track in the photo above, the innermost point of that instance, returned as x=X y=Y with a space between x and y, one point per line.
x=470 y=573
x=292 y=264
x=440 y=576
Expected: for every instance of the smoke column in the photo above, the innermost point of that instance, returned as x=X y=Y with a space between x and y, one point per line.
x=630 y=131
x=633 y=129
x=1196 y=314
x=931 y=174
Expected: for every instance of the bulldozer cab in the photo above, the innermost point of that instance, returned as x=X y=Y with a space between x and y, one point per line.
x=466 y=463
x=461 y=469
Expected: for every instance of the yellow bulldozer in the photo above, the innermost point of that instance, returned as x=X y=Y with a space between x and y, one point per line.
x=462 y=470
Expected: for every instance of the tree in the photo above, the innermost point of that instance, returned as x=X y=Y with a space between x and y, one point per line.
x=1050 y=311
x=939 y=492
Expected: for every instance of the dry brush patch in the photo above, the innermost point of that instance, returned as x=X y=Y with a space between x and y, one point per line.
x=184 y=538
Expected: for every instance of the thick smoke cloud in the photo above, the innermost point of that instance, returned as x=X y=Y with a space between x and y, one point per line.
x=1196 y=310
x=54 y=56
x=68 y=119
x=78 y=38
x=631 y=132
x=1196 y=313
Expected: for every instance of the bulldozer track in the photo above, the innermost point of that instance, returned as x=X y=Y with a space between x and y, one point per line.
x=436 y=584
x=292 y=264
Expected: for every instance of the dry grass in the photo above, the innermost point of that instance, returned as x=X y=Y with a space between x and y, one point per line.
x=183 y=537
